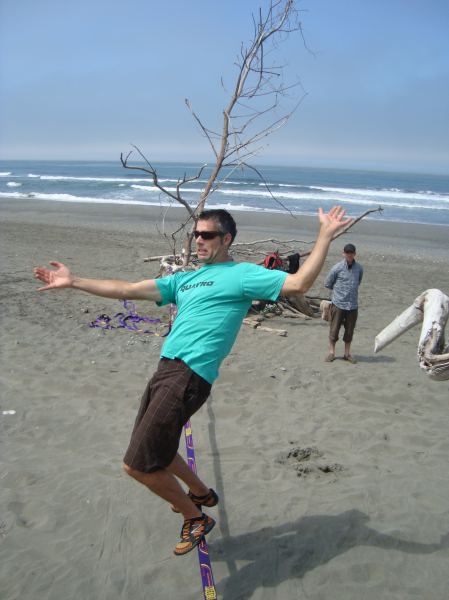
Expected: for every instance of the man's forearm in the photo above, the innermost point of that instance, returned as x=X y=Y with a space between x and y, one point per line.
x=108 y=288
x=330 y=224
x=61 y=278
x=303 y=279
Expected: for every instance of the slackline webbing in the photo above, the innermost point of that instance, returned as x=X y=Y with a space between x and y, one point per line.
x=207 y=577
x=130 y=320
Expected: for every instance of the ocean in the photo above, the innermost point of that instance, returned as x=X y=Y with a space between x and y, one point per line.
x=404 y=197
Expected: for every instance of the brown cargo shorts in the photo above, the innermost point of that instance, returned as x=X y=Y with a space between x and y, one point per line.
x=339 y=317
x=172 y=396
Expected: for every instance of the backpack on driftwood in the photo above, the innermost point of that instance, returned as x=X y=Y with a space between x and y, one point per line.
x=273 y=261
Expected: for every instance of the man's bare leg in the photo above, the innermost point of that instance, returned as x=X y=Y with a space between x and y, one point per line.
x=331 y=352
x=165 y=485
x=181 y=469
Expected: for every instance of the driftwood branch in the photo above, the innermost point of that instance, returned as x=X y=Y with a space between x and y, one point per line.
x=292 y=311
x=267 y=187
x=256 y=324
x=431 y=308
x=254 y=78
x=250 y=116
x=274 y=241
x=379 y=209
x=150 y=170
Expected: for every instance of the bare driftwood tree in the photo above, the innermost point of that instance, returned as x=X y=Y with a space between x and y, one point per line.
x=252 y=114
x=255 y=110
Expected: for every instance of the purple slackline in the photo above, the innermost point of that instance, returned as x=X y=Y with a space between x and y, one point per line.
x=207 y=577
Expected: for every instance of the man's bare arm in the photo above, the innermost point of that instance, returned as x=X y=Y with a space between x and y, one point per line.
x=330 y=224
x=61 y=278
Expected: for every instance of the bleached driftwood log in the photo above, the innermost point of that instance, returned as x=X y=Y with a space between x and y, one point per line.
x=291 y=311
x=255 y=323
x=301 y=304
x=432 y=308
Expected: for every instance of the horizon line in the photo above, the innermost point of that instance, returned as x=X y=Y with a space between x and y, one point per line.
x=399 y=170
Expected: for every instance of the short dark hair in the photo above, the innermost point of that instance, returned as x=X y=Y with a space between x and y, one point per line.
x=349 y=248
x=224 y=220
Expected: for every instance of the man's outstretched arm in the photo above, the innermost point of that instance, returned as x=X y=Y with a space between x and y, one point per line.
x=61 y=278
x=330 y=224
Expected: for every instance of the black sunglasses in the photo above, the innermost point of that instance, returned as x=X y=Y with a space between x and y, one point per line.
x=207 y=235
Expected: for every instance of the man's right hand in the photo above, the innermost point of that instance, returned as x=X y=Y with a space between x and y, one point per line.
x=60 y=277
x=333 y=222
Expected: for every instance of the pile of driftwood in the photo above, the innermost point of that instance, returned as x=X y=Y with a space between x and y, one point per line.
x=261 y=311
x=294 y=306
x=297 y=306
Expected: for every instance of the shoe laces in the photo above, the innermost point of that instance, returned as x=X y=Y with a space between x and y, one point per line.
x=187 y=526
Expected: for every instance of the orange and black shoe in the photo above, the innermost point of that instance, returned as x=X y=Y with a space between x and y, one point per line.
x=209 y=500
x=192 y=532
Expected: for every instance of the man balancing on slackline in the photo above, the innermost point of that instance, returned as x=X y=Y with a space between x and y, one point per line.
x=212 y=302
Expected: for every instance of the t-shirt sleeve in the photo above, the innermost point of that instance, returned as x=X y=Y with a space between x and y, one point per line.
x=167 y=287
x=260 y=283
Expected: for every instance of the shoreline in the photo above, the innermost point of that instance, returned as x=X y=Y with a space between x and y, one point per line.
x=426 y=239
x=238 y=209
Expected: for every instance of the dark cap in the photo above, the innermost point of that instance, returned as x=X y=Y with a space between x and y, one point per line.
x=349 y=248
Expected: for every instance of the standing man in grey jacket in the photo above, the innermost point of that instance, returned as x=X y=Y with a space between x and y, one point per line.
x=344 y=279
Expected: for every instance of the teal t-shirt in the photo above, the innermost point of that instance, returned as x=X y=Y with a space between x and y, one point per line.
x=212 y=303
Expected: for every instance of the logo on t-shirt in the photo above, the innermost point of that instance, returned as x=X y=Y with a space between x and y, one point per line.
x=190 y=286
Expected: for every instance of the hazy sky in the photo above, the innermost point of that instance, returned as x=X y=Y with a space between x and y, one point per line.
x=83 y=79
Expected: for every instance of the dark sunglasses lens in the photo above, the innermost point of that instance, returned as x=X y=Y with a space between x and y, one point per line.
x=206 y=235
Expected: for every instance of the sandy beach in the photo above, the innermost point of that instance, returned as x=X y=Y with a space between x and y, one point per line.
x=333 y=477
